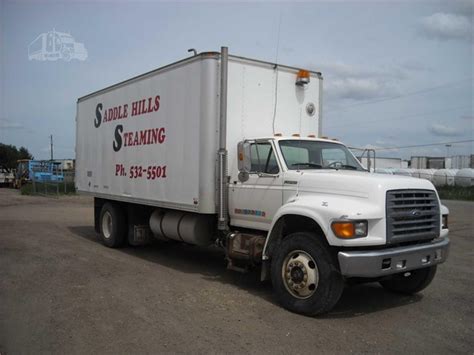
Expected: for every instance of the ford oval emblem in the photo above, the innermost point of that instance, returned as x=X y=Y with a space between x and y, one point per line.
x=415 y=213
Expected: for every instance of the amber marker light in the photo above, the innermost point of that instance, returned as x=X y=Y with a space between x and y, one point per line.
x=349 y=229
x=302 y=78
x=343 y=229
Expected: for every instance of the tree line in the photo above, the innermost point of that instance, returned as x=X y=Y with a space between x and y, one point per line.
x=9 y=154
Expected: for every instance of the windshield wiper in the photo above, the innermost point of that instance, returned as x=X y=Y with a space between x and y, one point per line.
x=311 y=165
x=351 y=167
x=342 y=166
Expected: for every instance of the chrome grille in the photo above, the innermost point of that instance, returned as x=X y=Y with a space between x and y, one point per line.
x=412 y=215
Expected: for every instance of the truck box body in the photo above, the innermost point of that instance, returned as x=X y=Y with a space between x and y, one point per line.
x=153 y=139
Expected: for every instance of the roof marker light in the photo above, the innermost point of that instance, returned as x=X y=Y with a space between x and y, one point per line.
x=302 y=78
x=278 y=135
x=295 y=135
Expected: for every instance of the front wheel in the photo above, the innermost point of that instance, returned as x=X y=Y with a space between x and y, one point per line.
x=66 y=55
x=410 y=282
x=305 y=276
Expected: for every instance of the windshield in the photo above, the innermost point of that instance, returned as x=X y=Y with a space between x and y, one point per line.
x=300 y=154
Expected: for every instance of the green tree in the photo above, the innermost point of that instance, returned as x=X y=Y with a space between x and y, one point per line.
x=9 y=154
x=23 y=153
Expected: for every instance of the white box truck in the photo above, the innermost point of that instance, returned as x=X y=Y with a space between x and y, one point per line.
x=224 y=150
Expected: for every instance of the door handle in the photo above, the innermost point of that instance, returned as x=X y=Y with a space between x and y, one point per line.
x=265 y=175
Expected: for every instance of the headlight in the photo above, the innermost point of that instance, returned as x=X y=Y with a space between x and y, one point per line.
x=445 y=221
x=350 y=229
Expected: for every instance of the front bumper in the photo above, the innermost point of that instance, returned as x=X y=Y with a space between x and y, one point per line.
x=376 y=263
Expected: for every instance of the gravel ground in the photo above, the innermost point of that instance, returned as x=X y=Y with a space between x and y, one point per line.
x=61 y=291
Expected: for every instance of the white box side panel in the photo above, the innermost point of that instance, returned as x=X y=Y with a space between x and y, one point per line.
x=252 y=92
x=116 y=158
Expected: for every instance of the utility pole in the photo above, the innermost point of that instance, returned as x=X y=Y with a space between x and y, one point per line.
x=447 y=149
x=51 y=137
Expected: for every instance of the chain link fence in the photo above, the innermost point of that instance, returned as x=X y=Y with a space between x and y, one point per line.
x=52 y=182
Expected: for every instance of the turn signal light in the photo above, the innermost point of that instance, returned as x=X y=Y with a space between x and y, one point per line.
x=349 y=229
x=343 y=229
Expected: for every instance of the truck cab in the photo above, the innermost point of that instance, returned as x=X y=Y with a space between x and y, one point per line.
x=323 y=212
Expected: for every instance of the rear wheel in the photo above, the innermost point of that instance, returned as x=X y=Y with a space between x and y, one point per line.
x=411 y=281
x=305 y=276
x=113 y=225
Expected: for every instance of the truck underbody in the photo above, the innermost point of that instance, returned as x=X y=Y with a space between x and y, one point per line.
x=243 y=249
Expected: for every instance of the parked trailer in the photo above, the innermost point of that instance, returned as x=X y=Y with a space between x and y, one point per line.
x=223 y=150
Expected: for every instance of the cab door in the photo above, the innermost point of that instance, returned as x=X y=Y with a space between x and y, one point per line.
x=253 y=203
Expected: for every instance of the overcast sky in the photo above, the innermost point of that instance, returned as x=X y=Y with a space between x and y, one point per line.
x=396 y=73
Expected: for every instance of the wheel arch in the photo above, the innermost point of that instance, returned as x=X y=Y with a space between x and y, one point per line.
x=288 y=223
x=98 y=204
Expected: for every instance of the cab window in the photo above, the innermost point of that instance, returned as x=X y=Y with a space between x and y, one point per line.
x=333 y=155
x=295 y=154
x=307 y=154
x=263 y=159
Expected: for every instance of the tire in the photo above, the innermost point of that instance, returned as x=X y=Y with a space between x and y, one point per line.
x=113 y=225
x=66 y=55
x=311 y=260
x=410 y=282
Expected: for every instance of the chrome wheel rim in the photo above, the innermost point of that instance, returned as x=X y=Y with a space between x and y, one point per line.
x=107 y=225
x=300 y=274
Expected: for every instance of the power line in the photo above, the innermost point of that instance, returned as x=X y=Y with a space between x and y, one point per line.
x=417 y=92
x=344 y=122
x=426 y=145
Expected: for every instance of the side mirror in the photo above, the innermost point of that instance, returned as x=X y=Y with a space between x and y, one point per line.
x=244 y=162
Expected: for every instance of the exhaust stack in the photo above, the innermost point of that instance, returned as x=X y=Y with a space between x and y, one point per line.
x=223 y=191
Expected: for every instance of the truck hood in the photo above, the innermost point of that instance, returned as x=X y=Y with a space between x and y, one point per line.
x=356 y=183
